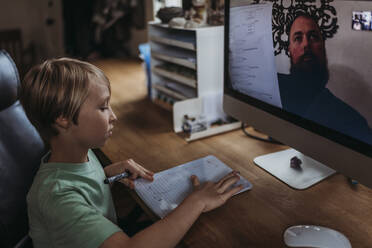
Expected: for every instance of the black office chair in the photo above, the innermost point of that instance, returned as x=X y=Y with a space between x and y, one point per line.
x=20 y=151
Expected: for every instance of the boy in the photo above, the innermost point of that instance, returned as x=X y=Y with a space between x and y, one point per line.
x=68 y=101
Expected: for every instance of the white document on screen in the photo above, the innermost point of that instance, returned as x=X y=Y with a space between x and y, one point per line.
x=251 y=53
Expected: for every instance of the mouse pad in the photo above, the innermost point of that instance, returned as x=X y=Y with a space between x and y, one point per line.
x=278 y=165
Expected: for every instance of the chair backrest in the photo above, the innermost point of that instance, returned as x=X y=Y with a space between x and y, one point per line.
x=20 y=151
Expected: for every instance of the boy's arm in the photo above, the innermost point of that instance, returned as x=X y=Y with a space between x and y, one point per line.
x=169 y=231
x=164 y=233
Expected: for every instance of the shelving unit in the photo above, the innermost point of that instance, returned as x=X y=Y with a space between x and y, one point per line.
x=190 y=57
x=186 y=67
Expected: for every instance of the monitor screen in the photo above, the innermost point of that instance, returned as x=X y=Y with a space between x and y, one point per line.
x=305 y=63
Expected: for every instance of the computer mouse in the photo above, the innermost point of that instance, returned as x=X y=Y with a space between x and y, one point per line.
x=314 y=236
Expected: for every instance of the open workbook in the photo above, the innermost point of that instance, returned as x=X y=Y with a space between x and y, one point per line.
x=171 y=186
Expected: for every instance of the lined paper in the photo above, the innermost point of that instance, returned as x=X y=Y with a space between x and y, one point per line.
x=170 y=187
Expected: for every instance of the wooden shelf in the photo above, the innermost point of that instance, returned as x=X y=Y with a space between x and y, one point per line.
x=174 y=42
x=166 y=25
x=169 y=92
x=163 y=104
x=176 y=77
x=174 y=60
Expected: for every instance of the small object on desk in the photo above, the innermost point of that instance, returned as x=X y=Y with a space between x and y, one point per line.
x=194 y=124
x=116 y=177
x=296 y=163
x=314 y=236
x=171 y=186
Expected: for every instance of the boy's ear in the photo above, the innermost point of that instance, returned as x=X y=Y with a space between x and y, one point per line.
x=62 y=122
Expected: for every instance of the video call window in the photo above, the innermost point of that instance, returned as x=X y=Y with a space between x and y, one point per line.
x=318 y=69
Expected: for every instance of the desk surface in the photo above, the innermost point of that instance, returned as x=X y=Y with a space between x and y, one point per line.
x=256 y=218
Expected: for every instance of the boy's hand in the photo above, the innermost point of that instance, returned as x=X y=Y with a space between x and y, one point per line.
x=213 y=195
x=135 y=170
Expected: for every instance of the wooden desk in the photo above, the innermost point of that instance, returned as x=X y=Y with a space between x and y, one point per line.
x=256 y=218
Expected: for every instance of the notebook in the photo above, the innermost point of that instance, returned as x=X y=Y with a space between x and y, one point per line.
x=171 y=186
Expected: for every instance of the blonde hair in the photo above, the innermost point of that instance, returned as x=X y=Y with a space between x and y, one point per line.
x=57 y=87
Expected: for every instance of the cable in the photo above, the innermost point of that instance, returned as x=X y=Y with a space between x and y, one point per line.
x=269 y=139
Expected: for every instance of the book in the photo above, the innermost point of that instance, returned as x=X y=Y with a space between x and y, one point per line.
x=170 y=187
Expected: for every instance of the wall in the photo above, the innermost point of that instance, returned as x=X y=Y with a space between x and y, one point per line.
x=30 y=17
x=141 y=36
x=349 y=59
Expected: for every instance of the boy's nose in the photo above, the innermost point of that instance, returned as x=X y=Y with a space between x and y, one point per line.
x=112 y=116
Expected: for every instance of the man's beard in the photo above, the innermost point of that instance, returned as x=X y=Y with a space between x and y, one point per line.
x=312 y=73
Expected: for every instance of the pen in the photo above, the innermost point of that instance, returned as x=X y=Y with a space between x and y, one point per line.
x=116 y=177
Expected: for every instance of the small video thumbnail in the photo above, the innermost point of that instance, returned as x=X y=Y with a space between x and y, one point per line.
x=362 y=20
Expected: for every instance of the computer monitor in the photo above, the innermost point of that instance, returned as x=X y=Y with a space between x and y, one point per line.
x=301 y=72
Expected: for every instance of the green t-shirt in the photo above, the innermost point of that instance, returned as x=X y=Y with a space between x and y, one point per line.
x=70 y=206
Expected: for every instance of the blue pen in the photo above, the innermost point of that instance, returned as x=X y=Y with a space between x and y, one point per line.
x=116 y=178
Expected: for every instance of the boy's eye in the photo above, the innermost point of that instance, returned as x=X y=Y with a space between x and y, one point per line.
x=103 y=108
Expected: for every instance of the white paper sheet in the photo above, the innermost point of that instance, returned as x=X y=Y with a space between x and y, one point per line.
x=251 y=56
x=170 y=187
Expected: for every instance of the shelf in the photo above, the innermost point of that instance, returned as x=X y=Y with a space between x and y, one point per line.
x=163 y=104
x=179 y=61
x=169 y=92
x=186 y=71
x=174 y=42
x=166 y=26
x=184 y=90
x=176 y=77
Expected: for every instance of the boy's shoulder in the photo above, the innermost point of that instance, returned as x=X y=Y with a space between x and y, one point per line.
x=45 y=188
x=53 y=180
